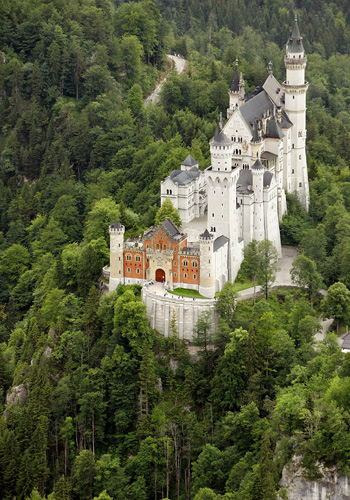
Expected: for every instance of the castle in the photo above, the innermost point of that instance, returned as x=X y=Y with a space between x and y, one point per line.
x=256 y=157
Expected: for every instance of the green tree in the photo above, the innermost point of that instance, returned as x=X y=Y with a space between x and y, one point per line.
x=267 y=256
x=203 y=331
x=226 y=303
x=84 y=474
x=304 y=274
x=336 y=304
x=167 y=210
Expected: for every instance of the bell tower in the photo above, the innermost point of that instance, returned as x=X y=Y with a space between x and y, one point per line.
x=295 y=88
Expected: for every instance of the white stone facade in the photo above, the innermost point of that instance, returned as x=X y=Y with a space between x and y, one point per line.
x=242 y=202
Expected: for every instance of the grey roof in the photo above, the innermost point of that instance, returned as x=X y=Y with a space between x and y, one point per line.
x=184 y=177
x=170 y=227
x=267 y=179
x=219 y=242
x=273 y=89
x=295 y=41
x=116 y=225
x=189 y=161
x=273 y=129
x=255 y=106
x=257 y=165
x=220 y=138
x=256 y=136
x=235 y=82
x=244 y=180
x=206 y=234
x=285 y=122
x=268 y=155
x=346 y=342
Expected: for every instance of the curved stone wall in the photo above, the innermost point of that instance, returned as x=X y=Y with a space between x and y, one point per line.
x=161 y=308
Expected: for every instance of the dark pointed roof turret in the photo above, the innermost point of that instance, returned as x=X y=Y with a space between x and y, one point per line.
x=206 y=235
x=189 y=161
x=257 y=165
x=295 y=41
x=235 y=82
x=220 y=138
x=116 y=225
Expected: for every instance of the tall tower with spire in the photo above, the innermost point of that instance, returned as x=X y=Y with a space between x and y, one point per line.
x=295 y=88
x=236 y=91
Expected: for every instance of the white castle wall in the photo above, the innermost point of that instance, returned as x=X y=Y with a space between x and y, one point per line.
x=160 y=311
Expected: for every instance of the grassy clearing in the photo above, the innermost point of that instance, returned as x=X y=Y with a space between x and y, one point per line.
x=243 y=286
x=184 y=292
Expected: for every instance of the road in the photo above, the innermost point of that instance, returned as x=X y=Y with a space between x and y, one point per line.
x=180 y=64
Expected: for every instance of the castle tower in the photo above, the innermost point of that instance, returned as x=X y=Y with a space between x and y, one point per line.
x=258 y=188
x=236 y=91
x=295 y=88
x=221 y=180
x=116 y=232
x=206 y=275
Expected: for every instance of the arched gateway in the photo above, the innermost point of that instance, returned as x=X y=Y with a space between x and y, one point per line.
x=160 y=275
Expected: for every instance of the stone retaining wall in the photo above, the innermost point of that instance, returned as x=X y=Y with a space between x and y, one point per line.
x=160 y=311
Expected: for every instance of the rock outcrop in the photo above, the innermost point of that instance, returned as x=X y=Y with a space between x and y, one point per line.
x=332 y=486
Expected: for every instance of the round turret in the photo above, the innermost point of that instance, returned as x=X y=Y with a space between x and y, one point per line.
x=206 y=275
x=116 y=232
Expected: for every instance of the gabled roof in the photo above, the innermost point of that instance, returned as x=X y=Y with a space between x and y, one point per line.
x=295 y=41
x=273 y=89
x=219 y=242
x=260 y=102
x=170 y=227
x=235 y=82
x=183 y=177
x=255 y=106
x=189 y=161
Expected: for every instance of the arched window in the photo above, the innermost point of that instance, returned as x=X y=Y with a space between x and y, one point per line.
x=164 y=247
x=157 y=246
x=137 y=271
x=194 y=263
x=185 y=263
x=128 y=270
x=128 y=257
x=185 y=275
x=138 y=258
x=194 y=276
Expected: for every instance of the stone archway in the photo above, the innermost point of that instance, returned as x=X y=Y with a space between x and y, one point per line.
x=160 y=275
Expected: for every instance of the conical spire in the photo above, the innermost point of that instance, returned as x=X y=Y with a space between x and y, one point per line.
x=295 y=41
x=235 y=82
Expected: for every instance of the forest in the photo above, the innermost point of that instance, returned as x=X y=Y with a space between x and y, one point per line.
x=107 y=408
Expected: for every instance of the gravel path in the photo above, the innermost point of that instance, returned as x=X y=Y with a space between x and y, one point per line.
x=180 y=64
